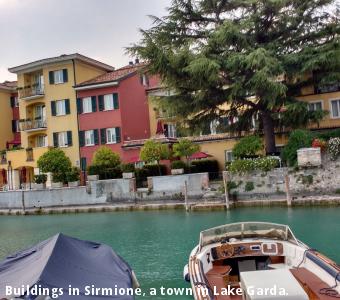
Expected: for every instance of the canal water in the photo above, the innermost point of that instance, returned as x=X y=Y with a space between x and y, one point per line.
x=157 y=244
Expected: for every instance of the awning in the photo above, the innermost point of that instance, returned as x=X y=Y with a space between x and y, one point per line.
x=199 y=155
x=13 y=142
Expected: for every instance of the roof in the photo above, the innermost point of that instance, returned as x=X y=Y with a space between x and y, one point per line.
x=61 y=261
x=59 y=59
x=8 y=85
x=114 y=76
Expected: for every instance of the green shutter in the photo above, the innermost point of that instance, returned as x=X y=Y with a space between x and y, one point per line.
x=53 y=108
x=81 y=138
x=67 y=106
x=80 y=106
x=83 y=163
x=103 y=136
x=101 y=102
x=51 y=77
x=12 y=101
x=55 y=139
x=115 y=101
x=69 y=138
x=96 y=136
x=94 y=103
x=65 y=75
x=14 y=126
x=118 y=135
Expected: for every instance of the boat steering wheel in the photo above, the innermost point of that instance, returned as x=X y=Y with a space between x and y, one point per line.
x=226 y=250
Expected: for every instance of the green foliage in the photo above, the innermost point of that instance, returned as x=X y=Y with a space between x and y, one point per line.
x=73 y=175
x=232 y=185
x=106 y=158
x=178 y=164
x=41 y=178
x=248 y=146
x=328 y=134
x=244 y=166
x=128 y=168
x=305 y=179
x=334 y=148
x=104 y=173
x=249 y=186
x=298 y=139
x=186 y=148
x=205 y=165
x=155 y=170
x=154 y=152
x=56 y=162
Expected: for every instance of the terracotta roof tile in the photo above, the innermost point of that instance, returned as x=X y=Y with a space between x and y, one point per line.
x=116 y=75
x=9 y=85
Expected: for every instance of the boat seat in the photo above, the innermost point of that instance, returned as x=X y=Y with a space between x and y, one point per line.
x=311 y=284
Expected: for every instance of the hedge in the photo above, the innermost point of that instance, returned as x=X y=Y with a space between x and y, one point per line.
x=104 y=173
x=205 y=165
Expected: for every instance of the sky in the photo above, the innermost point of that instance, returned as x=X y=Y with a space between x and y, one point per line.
x=101 y=29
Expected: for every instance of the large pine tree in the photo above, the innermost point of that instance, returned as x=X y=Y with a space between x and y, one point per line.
x=254 y=55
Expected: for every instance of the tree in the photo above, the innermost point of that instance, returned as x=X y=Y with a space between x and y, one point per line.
x=56 y=162
x=253 y=56
x=185 y=148
x=248 y=146
x=106 y=158
x=153 y=152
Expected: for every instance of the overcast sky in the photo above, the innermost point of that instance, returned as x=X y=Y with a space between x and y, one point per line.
x=36 y=29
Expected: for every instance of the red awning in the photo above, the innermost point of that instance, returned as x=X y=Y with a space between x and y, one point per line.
x=13 y=142
x=160 y=128
x=199 y=155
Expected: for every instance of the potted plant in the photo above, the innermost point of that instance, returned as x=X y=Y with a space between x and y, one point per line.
x=40 y=182
x=128 y=171
x=178 y=167
x=58 y=180
x=73 y=177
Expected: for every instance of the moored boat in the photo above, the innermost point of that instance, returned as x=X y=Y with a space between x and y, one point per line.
x=257 y=260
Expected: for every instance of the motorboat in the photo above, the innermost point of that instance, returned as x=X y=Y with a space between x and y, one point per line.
x=257 y=260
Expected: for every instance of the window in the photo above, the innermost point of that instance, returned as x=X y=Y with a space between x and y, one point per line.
x=60 y=107
x=41 y=141
x=111 y=137
x=314 y=106
x=229 y=157
x=16 y=101
x=87 y=105
x=335 y=105
x=58 y=76
x=213 y=126
x=17 y=126
x=62 y=139
x=108 y=102
x=170 y=130
x=89 y=138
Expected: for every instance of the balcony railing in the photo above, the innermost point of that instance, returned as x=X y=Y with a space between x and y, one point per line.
x=29 y=125
x=31 y=91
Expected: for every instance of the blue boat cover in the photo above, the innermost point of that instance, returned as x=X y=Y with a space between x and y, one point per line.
x=62 y=261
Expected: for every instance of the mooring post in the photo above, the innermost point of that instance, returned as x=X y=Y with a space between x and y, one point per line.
x=186 y=195
x=226 y=193
x=23 y=201
x=288 y=195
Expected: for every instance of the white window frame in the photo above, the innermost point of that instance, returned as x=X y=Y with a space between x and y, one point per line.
x=111 y=132
x=87 y=105
x=58 y=76
x=331 y=108
x=16 y=101
x=60 y=110
x=171 y=130
x=226 y=158
x=313 y=103
x=62 y=139
x=89 y=138
x=43 y=139
x=108 y=99
x=17 y=126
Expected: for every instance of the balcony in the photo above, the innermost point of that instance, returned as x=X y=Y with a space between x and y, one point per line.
x=25 y=157
x=31 y=92
x=30 y=125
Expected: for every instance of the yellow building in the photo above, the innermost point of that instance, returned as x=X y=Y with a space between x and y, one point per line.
x=48 y=111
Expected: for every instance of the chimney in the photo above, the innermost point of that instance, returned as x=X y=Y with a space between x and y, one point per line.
x=136 y=61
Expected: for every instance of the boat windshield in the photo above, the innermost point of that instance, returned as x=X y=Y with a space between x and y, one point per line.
x=247 y=230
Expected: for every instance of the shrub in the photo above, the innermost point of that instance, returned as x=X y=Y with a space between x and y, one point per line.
x=155 y=170
x=104 y=173
x=249 y=186
x=243 y=166
x=328 y=135
x=128 y=168
x=334 y=148
x=298 y=139
x=73 y=175
x=266 y=164
x=105 y=157
x=178 y=164
x=248 y=146
x=185 y=148
x=41 y=178
x=141 y=176
x=205 y=165
x=154 y=152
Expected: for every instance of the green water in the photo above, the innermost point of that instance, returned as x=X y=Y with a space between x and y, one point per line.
x=157 y=244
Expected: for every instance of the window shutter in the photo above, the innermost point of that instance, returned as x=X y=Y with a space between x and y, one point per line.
x=53 y=108
x=12 y=101
x=69 y=138
x=101 y=102
x=67 y=106
x=79 y=105
x=55 y=139
x=103 y=136
x=81 y=138
x=115 y=101
x=14 y=126
x=96 y=136
x=94 y=103
x=118 y=135
x=51 y=77
x=83 y=163
x=65 y=75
